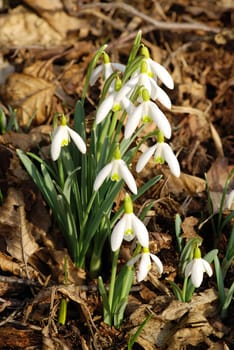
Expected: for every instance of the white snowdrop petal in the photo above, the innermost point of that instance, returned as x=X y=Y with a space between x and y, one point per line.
x=140 y=231
x=197 y=273
x=153 y=88
x=163 y=98
x=133 y=260
x=105 y=108
x=59 y=135
x=127 y=177
x=128 y=106
x=207 y=268
x=117 y=234
x=171 y=160
x=158 y=263
x=188 y=269
x=96 y=74
x=160 y=119
x=80 y=144
x=128 y=232
x=133 y=121
x=162 y=74
x=118 y=66
x=108 y=70
x=145 y=157
x=144 y=267
x=102 y=175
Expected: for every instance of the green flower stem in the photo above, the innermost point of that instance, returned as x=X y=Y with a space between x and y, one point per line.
x=113 y=277
x=61 y=172
x=86 y=216
x=184 y=290
x=102 y=136
x=125 y=288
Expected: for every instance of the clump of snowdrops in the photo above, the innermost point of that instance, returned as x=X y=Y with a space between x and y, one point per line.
x=87 y=171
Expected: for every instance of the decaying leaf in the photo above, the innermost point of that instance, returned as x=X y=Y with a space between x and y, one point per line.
x=178 y=324
x=188 y=227
x=217 y=177
x=32 y=97
x=15 y=228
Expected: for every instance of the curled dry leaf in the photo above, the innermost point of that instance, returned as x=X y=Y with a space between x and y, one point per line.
x=217 y=177
x=32 y=97
x=188 y=227
x=15 y=228
x=178 y=324
x=23 y=28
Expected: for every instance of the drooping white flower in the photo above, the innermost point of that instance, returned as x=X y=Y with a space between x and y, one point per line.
x=145 y=263
x=129 y=227
x=61 y=137
x=144 y=79
x=105 y=69
x=157 y=70
x=116 y=101
x=162 y=152
x=116 y=170
x=146 y=111
x=196 y=269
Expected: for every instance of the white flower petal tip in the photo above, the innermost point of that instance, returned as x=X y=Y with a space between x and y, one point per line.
x=78 y=141
x=162 y=73
x=196 y=269
x=102 y=175
x=61 y=137
x=161 y=151
x=127 y=228
x=145 y=265
x=127 y=176
x=118 y=170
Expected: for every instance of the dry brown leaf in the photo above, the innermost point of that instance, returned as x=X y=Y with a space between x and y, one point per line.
x=15 y=228
x=218 y=173
x=56 y=264
x=40 y=69
x=26 y=141
x=178 y=324
x=31 y=96
x=22 y=28
x=55 y=15
x=188 y=227
x=189 y=184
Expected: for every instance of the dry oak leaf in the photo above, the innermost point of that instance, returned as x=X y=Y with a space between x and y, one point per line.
x=15 y=229
x=23 y=28
x=179 y=324
x=32 y=97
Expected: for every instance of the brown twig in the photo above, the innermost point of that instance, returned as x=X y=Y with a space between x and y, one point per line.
x=157 y=24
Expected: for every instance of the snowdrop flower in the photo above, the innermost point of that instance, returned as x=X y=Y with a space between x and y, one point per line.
x=105 y=69
x=61 y=137
x=157 y=70
x=143 y=78
x=116 y=170
x=147 y=111
x=162 y=152
x=145 y=263
x=129 y=227
x=116 y=101
x=196 y=268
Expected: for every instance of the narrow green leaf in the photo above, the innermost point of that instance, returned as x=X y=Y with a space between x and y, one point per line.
x=133 y=338
x=176 y=290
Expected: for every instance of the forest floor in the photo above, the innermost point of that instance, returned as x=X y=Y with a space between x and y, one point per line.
x=45 y=50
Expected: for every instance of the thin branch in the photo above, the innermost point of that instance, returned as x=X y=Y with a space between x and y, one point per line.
x=157 y=24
